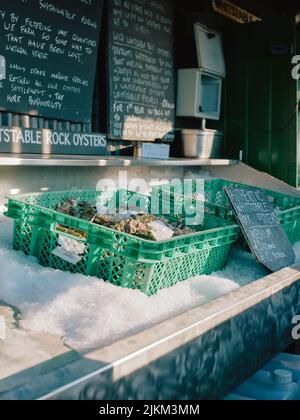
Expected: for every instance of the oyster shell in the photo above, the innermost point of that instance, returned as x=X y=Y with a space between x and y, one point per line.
x=137 y=224
x=68 y=207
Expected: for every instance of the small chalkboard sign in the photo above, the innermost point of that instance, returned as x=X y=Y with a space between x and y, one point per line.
x=141 y=75
x=260 y=226
x=48 y=57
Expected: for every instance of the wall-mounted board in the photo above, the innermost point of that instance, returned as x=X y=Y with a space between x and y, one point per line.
x=48 y=56
x=141 y=99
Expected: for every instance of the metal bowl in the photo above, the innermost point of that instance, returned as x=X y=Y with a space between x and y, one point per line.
x=202 y=144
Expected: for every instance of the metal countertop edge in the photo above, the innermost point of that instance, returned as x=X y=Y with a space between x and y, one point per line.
x=157 y=342
x=86 y=161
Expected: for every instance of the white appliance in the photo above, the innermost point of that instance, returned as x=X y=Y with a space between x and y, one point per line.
x=200 y=90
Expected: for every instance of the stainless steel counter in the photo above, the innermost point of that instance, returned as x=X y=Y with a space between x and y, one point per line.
x=204 y=353
x=99 y=161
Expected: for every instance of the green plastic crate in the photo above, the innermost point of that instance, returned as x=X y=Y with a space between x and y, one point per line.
x=115 y=257
x=216 y=203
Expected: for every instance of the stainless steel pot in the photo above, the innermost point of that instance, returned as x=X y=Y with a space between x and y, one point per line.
x=202 y=144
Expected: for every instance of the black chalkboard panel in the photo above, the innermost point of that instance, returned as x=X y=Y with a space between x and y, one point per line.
x=141 y=70
x=261 y=228
x=48 y=54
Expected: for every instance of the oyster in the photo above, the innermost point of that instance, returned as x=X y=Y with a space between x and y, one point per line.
x=86 y=211
x=68 y=207
x=133 y=223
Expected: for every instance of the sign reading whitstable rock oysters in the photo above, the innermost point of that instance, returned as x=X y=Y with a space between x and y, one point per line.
x=17 y=140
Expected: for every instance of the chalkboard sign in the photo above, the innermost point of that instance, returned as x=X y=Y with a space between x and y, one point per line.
x=48 y=55
x=141 y=70
x=261 y=228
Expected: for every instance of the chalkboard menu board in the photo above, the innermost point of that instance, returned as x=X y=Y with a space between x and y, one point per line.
x=48 y=55
x=261 y=228
x=141 y=70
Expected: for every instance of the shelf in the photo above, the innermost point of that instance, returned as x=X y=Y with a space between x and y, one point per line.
x=97 y=161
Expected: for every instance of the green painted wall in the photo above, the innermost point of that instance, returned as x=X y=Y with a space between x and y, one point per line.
x=261 y=109
x=298 y=96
